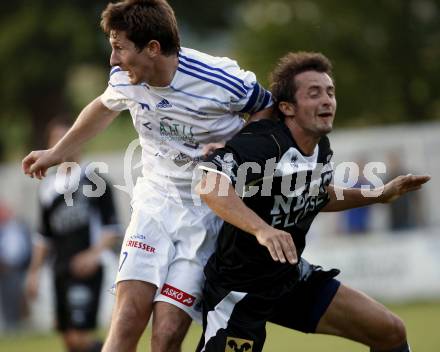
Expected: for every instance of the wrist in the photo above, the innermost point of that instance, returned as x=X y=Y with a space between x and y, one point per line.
x=261 y=229
x=382 y=197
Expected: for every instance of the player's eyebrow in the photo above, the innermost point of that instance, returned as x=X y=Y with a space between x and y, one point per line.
x=318 y=87
x=115 y=43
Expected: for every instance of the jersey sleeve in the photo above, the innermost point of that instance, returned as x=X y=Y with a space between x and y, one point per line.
x=252 y=97
x=113 y=97
x=245 y=159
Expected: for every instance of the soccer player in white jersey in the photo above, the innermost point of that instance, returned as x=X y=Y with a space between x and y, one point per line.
x=179 y=99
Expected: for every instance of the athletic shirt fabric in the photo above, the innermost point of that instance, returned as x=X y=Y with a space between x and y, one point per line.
x=295 y=195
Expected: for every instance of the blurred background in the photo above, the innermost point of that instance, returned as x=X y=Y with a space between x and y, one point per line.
x=385 y=53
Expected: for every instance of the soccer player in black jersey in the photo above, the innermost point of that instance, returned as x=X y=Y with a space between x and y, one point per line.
x=268 y=183
x=76 y=236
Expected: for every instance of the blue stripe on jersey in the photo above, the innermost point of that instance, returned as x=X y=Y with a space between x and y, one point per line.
x=200 y=97
x=120 y=85
x=128 y=85
x=238 y=95
x=214 y=69
x=267 y=97
x=253 y=98
x=114 y=70
x=241 y=89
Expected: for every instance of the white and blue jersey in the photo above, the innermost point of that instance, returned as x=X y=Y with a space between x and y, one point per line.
x=202 y=104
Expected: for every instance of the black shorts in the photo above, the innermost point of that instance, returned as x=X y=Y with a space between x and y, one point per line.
x=236 y=321
x=77 y=301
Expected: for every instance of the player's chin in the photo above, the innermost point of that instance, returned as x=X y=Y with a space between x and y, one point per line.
x=133 y=80
x=325 y=129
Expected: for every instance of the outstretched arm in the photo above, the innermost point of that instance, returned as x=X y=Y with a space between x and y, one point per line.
x=94 y=118
x=217 y=192
x=348 y=198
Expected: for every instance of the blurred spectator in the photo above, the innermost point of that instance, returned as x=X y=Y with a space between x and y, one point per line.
x=357 y=220
x=15 y=253
x=76 y=236
x=406 y=212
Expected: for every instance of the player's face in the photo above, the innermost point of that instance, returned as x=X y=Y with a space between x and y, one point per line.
x=315 y=106
x=125 y=54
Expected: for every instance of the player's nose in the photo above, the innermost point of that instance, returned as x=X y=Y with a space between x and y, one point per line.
x=114 y=59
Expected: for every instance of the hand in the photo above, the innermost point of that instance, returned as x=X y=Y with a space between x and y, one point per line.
x=36 y=163
x=279 y=243
x=85 y=263
x=209 y=148
x=401 y=185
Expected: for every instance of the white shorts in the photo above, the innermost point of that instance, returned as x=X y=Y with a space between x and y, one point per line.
x=168 y=244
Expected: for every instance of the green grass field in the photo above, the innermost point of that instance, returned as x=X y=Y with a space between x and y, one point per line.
x=422 y=321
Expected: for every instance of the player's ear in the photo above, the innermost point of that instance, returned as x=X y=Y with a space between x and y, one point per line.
x=288 y=109
x=153 y=48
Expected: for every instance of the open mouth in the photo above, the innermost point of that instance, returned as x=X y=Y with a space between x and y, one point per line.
x=325 y=114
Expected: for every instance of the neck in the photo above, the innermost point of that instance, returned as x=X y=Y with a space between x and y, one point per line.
x=164 y=70
x=305 y=141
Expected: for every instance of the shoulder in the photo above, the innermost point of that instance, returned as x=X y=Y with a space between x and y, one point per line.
x=198 y=58
x=213 y=75
x=262 y=139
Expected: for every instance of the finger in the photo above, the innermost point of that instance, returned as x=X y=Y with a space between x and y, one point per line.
x=414 y=183
x=26 y=164
x=279 y=250
x=418 y=178
x=35 y=167
x=272 y=252
x=41 y=173
x=290 y=250
x=413 y=188
x=422 y=179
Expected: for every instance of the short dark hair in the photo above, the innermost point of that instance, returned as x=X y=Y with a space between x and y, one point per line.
x=143 y=21
x=282 y=78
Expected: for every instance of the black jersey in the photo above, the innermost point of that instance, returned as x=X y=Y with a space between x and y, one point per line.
x=72 y=229
x=284 y=187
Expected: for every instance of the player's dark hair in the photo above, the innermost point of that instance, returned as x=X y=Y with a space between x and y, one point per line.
x=282 y=78
x=143 y=21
